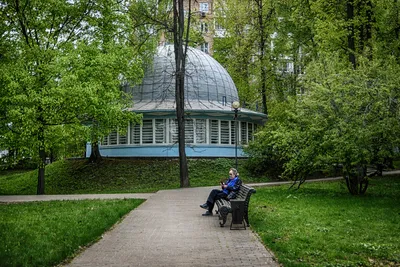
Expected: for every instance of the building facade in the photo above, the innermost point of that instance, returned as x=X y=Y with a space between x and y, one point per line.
x=211 y=128
x=202 y=13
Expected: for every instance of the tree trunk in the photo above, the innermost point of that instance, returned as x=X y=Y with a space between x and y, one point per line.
x=52 y=156
x=95 y=155
x=350 y=37
x=180 y=58
x=264 y=90
x=262 y=43
x=363 y=15
x=42 y=162
x=356 y=180
x=184 y=173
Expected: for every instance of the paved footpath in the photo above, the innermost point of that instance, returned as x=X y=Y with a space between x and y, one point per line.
x=168 y=230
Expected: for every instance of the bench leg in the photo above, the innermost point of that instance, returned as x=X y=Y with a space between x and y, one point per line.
x=243 y=226
x=223 y=215
x=246 y=218
x=223 y=218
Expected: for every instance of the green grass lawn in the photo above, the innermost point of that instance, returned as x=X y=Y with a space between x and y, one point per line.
x=119 y=176
x=47 y=233
x=321 y=224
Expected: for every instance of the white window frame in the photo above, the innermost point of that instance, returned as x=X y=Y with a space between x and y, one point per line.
x=243 y=125
x=173 y=132
x=225 y=138
x=209 y=132
x=208 y=137
x=204 y=6
x=126 y=137
x=156 y=126
x=232 y=132
x=187 y=131
x=250 y=132
x=205 y=47
x=106 y=143
x=211 y=128
x=152 y=131
x=204 y=27
x=132 y=133
x=196 y=131
x=116 y=138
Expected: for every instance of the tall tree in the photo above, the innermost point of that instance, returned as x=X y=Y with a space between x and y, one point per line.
x=58 y=69
x=262 y=24
x=180 y=47
x=171 y=24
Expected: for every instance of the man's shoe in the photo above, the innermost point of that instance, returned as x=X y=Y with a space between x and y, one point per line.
x=207 y=213
x=204 y=206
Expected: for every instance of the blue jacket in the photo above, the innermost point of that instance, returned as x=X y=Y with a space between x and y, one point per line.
x=233 y=185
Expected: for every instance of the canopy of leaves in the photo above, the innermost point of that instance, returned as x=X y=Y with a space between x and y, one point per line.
x=348 y=117
x=62 y=65
x=347 y=111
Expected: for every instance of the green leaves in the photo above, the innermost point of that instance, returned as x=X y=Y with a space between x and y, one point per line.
x=63 y=64
x=346 y=68
x=347 y=117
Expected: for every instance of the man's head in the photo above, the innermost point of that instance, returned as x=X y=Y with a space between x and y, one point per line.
x=232 y=173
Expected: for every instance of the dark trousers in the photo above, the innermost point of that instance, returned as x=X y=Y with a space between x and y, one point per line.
x=215 y=194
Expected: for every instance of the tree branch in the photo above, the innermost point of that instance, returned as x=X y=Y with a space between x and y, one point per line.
x=21 y=22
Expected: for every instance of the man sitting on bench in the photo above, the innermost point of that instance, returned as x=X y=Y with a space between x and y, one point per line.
x=231 y=185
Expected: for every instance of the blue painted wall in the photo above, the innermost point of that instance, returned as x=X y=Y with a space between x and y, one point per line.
x=168 y=151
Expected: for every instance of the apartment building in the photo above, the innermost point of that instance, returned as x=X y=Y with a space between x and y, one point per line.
x=203 y=13
x=202 y=21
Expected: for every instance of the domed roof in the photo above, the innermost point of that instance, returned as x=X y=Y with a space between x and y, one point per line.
x=208 y=85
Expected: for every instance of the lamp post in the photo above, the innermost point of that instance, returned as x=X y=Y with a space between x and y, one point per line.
x=236 y=106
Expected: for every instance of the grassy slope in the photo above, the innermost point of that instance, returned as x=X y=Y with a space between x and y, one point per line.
x=321 y=224
x=47 y=233
x=119 y=175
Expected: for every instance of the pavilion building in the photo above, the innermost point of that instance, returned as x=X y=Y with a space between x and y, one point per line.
x=210 y=126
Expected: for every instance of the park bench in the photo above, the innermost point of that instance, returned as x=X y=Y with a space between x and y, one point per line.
x=224 y=205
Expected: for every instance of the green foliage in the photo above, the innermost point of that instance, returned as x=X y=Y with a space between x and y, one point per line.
x=262 y=38
x=265 y=158
x=47 y=233
x=322 y=225
x=348 y=117
x=347 y=112
x=239 y=51
x=121 y=175
x=62 y=67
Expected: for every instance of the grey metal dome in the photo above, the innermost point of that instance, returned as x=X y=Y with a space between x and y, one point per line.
x=208 y=85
